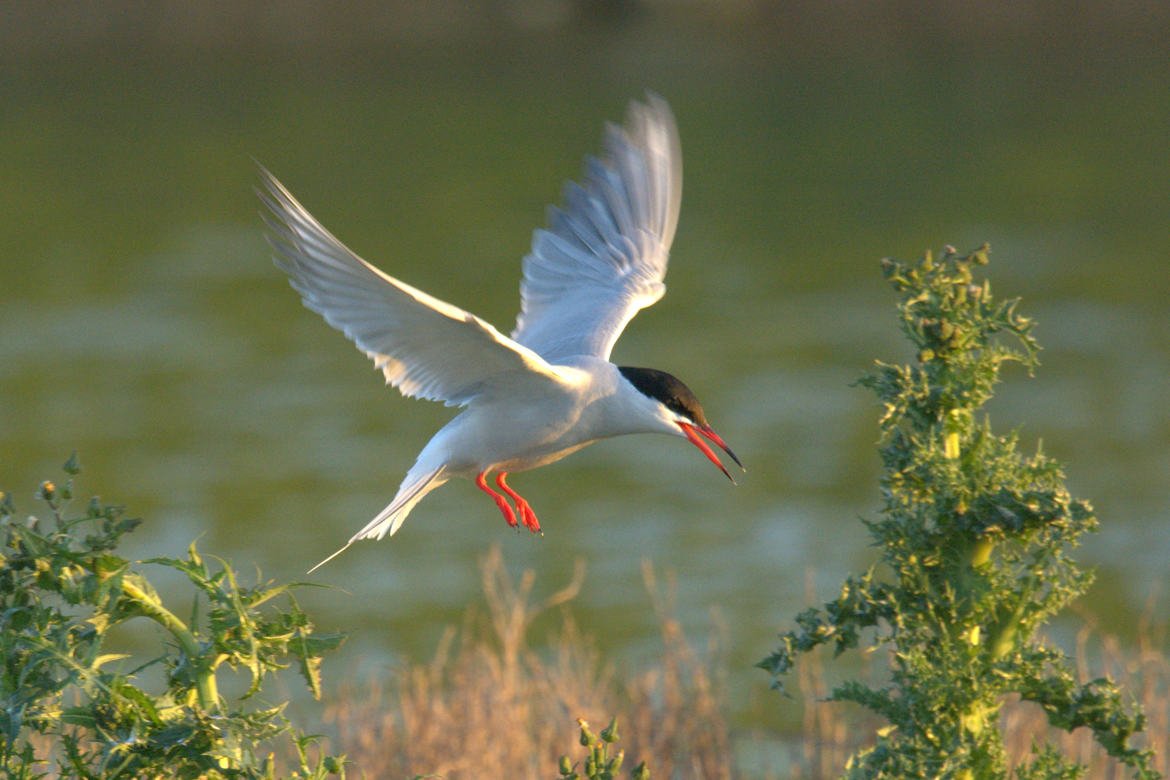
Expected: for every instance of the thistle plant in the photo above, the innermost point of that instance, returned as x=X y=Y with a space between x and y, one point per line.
x=974 y=540
x=65 y=699
x=598 y=763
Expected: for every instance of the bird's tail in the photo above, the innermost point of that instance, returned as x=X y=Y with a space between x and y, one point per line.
x=418 y=482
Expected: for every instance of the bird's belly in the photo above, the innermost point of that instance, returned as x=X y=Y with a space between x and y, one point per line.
x=485 y=441
x=534 y=460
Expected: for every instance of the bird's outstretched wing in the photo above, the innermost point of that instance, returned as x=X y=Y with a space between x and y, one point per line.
x=424 y=347
x=603 y=256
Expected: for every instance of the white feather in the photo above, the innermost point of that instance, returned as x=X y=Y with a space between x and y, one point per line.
x=424 y=346
x=418 y=482
x=603 y=256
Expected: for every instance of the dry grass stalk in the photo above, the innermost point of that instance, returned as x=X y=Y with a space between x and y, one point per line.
x=489 y=705
x=675 y=708
x=831 y=731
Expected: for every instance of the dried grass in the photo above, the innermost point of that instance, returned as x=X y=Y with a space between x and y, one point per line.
x=488 y=705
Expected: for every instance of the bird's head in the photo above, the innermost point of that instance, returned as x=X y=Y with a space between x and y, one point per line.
x=678 y=405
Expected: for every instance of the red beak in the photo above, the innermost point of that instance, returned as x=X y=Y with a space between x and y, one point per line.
x=692 y=432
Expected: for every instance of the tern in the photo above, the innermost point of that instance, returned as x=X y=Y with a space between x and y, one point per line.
x=549 y=389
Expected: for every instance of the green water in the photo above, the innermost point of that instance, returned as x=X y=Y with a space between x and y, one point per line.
x=143 y=324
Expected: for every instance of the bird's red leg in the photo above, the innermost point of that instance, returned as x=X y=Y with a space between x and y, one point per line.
x=509 y=515
x=526 y=513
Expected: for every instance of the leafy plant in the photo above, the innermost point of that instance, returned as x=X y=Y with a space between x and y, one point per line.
x=973 y=540
x=599 y=764
x=65 y=698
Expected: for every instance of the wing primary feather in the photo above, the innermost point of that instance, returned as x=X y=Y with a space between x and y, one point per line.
x=603 y=255
x=423 y=346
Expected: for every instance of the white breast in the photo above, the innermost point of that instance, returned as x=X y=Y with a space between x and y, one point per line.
x=521 y=432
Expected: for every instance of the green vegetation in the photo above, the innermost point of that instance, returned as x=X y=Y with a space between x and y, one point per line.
x=66 y=699
x=973 y=541
x=599 y=764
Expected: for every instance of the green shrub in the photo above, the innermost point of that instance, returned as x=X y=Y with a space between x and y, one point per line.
x=973 y=540
x=598 y=763
x=65 y=699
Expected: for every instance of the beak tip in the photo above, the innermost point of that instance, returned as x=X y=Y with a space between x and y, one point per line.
x=706 y=430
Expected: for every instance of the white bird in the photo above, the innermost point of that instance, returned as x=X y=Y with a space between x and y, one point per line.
x=549 y=389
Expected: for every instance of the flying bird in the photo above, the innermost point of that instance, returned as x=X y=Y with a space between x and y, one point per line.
x=549 y=389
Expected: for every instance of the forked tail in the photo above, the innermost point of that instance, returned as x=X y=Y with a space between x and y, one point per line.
x=414 y=487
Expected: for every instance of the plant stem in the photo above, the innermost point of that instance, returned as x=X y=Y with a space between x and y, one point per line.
x=205 y=676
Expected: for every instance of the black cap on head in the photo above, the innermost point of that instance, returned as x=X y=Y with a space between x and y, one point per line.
x=667 y=389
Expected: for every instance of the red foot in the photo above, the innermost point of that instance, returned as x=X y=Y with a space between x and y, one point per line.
x=509 y=515
x=526 y=513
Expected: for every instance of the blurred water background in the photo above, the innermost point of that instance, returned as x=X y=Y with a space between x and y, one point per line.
x=143 y=324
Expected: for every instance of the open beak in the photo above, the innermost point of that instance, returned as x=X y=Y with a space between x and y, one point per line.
x=692 y=432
